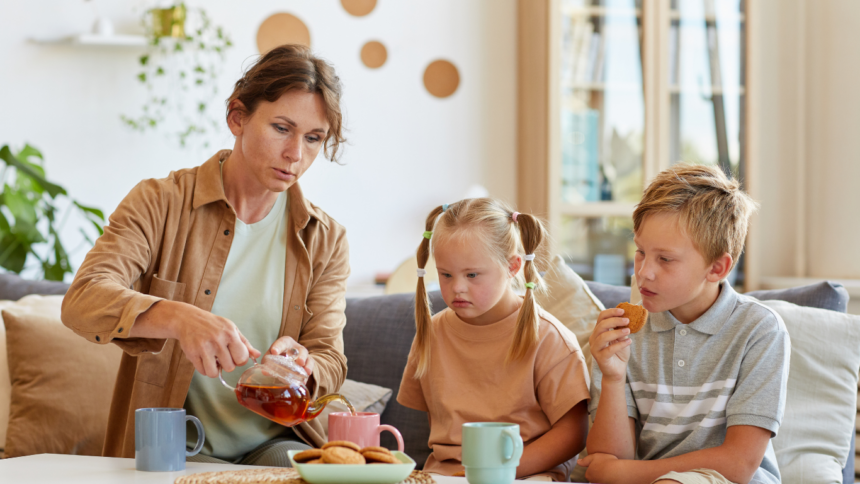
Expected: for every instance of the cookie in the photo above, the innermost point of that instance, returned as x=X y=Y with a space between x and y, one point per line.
x=307 y=455
x=372 y=457
x=341 y=455
x=375 y=449
x=315 y=461
x=636 y=314
x=342 y=443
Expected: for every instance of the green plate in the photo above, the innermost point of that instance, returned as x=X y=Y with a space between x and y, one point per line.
x=354 y=473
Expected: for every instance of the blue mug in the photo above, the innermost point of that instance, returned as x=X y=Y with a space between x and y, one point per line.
x=159 y=439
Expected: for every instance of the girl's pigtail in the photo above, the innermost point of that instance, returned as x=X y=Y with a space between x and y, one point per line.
x=532 y=233
x=423 y=328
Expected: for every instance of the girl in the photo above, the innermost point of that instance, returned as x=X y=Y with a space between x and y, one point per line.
x=493 y=355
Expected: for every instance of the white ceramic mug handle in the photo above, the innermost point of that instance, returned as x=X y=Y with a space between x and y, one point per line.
x=514 y=435
x=395 y=432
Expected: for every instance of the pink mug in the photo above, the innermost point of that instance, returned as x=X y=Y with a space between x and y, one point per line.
x=363 y=429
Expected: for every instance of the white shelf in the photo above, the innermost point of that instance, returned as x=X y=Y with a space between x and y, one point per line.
x=96 y=40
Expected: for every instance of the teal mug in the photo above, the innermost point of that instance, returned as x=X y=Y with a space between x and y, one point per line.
x=491 y=452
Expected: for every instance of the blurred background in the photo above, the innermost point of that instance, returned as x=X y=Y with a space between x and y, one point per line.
x=564 y=108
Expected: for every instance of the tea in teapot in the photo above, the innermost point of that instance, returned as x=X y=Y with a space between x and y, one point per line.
x=276 y=390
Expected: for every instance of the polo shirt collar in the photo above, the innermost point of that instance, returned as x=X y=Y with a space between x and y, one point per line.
x=208 y=189
x=708 y=323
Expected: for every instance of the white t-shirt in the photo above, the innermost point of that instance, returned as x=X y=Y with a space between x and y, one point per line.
x=251 y=294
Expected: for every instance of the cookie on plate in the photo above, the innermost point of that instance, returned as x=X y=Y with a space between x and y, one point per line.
x=307 y=455
x=341 y=455
x=382 y=457
x=342 y=443
x=376 y=449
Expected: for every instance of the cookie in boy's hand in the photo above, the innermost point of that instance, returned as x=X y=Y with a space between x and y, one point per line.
x=636 y=314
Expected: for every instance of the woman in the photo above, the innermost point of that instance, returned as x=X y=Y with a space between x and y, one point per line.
x=198 y=270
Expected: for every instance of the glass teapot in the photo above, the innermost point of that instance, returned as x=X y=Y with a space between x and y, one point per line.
x=276 y=389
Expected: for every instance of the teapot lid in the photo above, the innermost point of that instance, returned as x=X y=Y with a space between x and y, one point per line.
x=285 y=366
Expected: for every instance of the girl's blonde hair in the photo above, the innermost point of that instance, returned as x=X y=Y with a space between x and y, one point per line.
x=490 y=223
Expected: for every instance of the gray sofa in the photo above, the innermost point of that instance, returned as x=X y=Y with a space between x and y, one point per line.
x=380 y=330
x=379 y=333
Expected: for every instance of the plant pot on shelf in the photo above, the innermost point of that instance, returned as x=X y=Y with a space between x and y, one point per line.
x=169 y=22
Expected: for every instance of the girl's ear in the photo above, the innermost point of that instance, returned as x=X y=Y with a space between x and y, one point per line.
x=515 y=263
x=236 y=117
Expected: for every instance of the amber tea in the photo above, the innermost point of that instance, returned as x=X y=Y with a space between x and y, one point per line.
x=286 y=405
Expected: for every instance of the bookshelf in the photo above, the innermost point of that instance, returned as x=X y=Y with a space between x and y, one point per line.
x=610 y=93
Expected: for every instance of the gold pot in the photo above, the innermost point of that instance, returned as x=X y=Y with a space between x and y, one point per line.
x=169 y=22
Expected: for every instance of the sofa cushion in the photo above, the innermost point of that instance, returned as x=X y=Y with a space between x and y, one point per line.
x=570 y=300
x=377 y=339
x=814 y=440
x=822 y=295
x=61 y=387
x=13 y=287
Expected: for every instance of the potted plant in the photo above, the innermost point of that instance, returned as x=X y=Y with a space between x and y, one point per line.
x=179 y=71
x=31 y=218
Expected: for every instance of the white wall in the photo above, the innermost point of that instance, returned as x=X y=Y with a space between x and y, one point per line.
x=809 y=150
x=407 y=152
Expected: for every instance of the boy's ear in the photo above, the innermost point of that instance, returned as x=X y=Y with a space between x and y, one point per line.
x=720 y=268
x=514 y=265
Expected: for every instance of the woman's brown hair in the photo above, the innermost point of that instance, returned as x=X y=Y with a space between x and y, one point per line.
x=490 y=223
x=286 y=68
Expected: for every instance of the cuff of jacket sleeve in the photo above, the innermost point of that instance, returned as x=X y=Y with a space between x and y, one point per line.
x=135 y=346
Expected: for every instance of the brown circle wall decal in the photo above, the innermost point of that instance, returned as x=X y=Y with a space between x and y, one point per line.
x=280 y=29
x=373 y=54
x=441 y=78
x=359 y=8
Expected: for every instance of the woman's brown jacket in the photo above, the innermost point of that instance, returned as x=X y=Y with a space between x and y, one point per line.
x=169 y=239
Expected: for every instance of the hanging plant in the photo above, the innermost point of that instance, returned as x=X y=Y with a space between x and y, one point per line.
x=31 y=219
x=179 y=71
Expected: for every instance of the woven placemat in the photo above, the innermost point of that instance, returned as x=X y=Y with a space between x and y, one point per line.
x=272 y=475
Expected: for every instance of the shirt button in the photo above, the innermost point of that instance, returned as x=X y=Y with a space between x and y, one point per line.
x=119 y=330
x=226 y=232
x=208 y=292
x=680 y=362
x=296 y=307
x=683 y=332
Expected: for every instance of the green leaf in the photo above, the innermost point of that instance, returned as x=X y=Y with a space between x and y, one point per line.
x=22 y=209
x=13 y=254
x=199 y=68
x=144 y=59
x=90 y=210
x=142 y=77
x=52 y=189
x=86 y=236
x=201 y=107
x=5 y=228
x=159 y=71
x=27 y=152
x=98 y=227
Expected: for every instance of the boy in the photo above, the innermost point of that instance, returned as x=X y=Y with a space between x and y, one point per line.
x=698 y=393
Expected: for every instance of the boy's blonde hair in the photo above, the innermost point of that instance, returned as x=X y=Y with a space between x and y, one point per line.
x=489 y=223
x=713 y=210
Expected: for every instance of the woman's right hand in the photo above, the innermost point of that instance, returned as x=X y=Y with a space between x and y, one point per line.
x=610 y=345
x=208 y=340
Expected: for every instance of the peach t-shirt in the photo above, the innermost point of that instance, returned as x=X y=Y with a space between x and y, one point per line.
x=469 y=381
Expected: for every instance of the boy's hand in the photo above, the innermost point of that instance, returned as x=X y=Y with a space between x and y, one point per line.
x=610 y=345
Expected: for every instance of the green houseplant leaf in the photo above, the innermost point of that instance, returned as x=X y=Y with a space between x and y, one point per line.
x=29 y=216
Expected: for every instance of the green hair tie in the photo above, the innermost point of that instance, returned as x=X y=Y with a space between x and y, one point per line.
x=428 y=234
x=530 y=285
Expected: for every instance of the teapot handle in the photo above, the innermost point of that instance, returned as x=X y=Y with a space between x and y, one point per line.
x=222 y=378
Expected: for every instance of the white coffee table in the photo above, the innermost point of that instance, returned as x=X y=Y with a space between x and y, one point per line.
x=56 y=468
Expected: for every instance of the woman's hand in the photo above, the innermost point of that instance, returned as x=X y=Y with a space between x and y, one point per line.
x=601 y=468
x=209 y=341
x=610 y=345
x=284 y=344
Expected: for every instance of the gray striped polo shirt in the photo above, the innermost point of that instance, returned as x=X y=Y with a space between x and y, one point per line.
x=687 y=383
